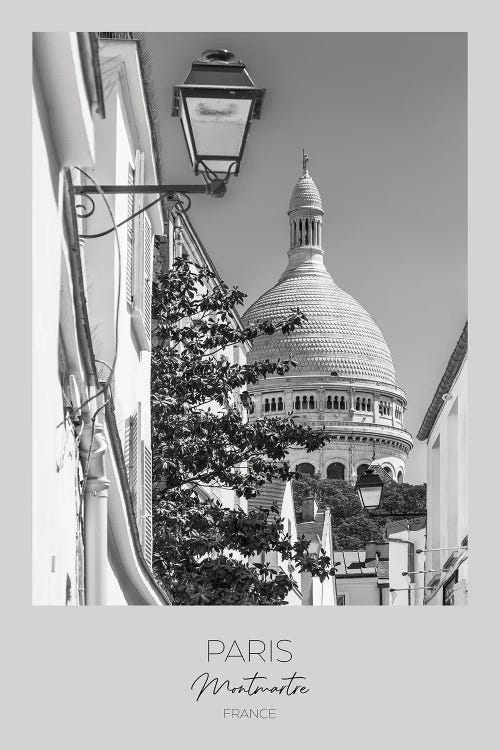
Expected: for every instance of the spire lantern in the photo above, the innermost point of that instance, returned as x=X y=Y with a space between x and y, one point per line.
x=305 y=212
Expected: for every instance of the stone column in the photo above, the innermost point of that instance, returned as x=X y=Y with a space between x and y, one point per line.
x=322 y=462
x=351 y=404
x=288 y=400
x=321 y=398
x=257 y=397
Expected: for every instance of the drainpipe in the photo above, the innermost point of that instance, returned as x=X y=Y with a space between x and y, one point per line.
x=93 y=450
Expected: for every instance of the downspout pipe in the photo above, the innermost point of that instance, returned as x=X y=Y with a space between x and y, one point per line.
x=93 y=448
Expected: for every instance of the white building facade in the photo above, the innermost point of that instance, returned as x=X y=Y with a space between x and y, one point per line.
x=444 y=428
x=92 y=525
x=344 y=380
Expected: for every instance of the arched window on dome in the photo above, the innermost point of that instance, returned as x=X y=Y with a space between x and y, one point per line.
x=280 y=403
x=266 y=405
x=363 y=404
x=305 y=468
x=304 y=402
x=273 y=404
x=312 y=405
x=369 y=405
x=336 y=471
x=342 y=402
x=388 y=470
x=400 y=477
x=361 y=469
x=297 y=402
x=300 y=231
x=358 y=404
x=329 y=402
x=336 y=402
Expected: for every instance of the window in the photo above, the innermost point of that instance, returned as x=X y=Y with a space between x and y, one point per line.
x=311 y=402
x=400 y=477
x=297 y=402
x=388 y=470
x=305 y=468
x=266 y=405
x=369 y=405
x=358 y=404
x=336 y=402
x=280 y=403
x=342 y=402
x=273 y=404
x=335 y=471
x=304 y=402
x=449 y=590
x=384 y=408
x=341 y=602
x=329 y=402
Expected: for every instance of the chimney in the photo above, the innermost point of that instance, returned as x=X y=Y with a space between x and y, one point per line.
x=309 y=507
x=371 y=551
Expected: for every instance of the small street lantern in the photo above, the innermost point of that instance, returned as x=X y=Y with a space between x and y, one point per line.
x=216 y=104
x=369 y=488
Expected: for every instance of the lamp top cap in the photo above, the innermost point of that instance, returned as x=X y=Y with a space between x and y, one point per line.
x=370 y=478
x=216 y=56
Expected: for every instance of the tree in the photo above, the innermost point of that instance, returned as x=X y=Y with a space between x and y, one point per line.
x=352 y=526
x=200 y=440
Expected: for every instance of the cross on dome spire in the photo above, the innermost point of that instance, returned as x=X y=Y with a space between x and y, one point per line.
x=305 y=159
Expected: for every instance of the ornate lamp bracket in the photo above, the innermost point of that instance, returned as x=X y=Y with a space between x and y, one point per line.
x=178 y=195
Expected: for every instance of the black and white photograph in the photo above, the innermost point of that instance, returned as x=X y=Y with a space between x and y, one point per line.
x=250 y=314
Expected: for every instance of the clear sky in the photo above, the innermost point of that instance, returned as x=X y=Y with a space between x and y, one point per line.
x=383 y=118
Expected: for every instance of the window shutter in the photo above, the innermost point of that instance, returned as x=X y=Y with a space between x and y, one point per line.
x=132 y=454
x=148 y=272
x=138 y=459
x=130 y=237
x=147 y=541
x=143 y=270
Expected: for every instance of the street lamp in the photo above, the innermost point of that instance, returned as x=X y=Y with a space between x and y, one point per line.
x=369 y=488
x=216 y=105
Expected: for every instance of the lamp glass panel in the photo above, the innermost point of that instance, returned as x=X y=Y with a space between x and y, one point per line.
x=218 y=125
x=370 y=496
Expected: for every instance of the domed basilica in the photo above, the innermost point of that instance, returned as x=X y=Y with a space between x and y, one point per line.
x=344 y=379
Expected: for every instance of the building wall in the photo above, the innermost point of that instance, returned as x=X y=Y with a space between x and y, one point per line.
x=359 y=591
x=403 y=558
x=56 y=497
x=356 y=431
x=447 y=501
x=67 y=132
